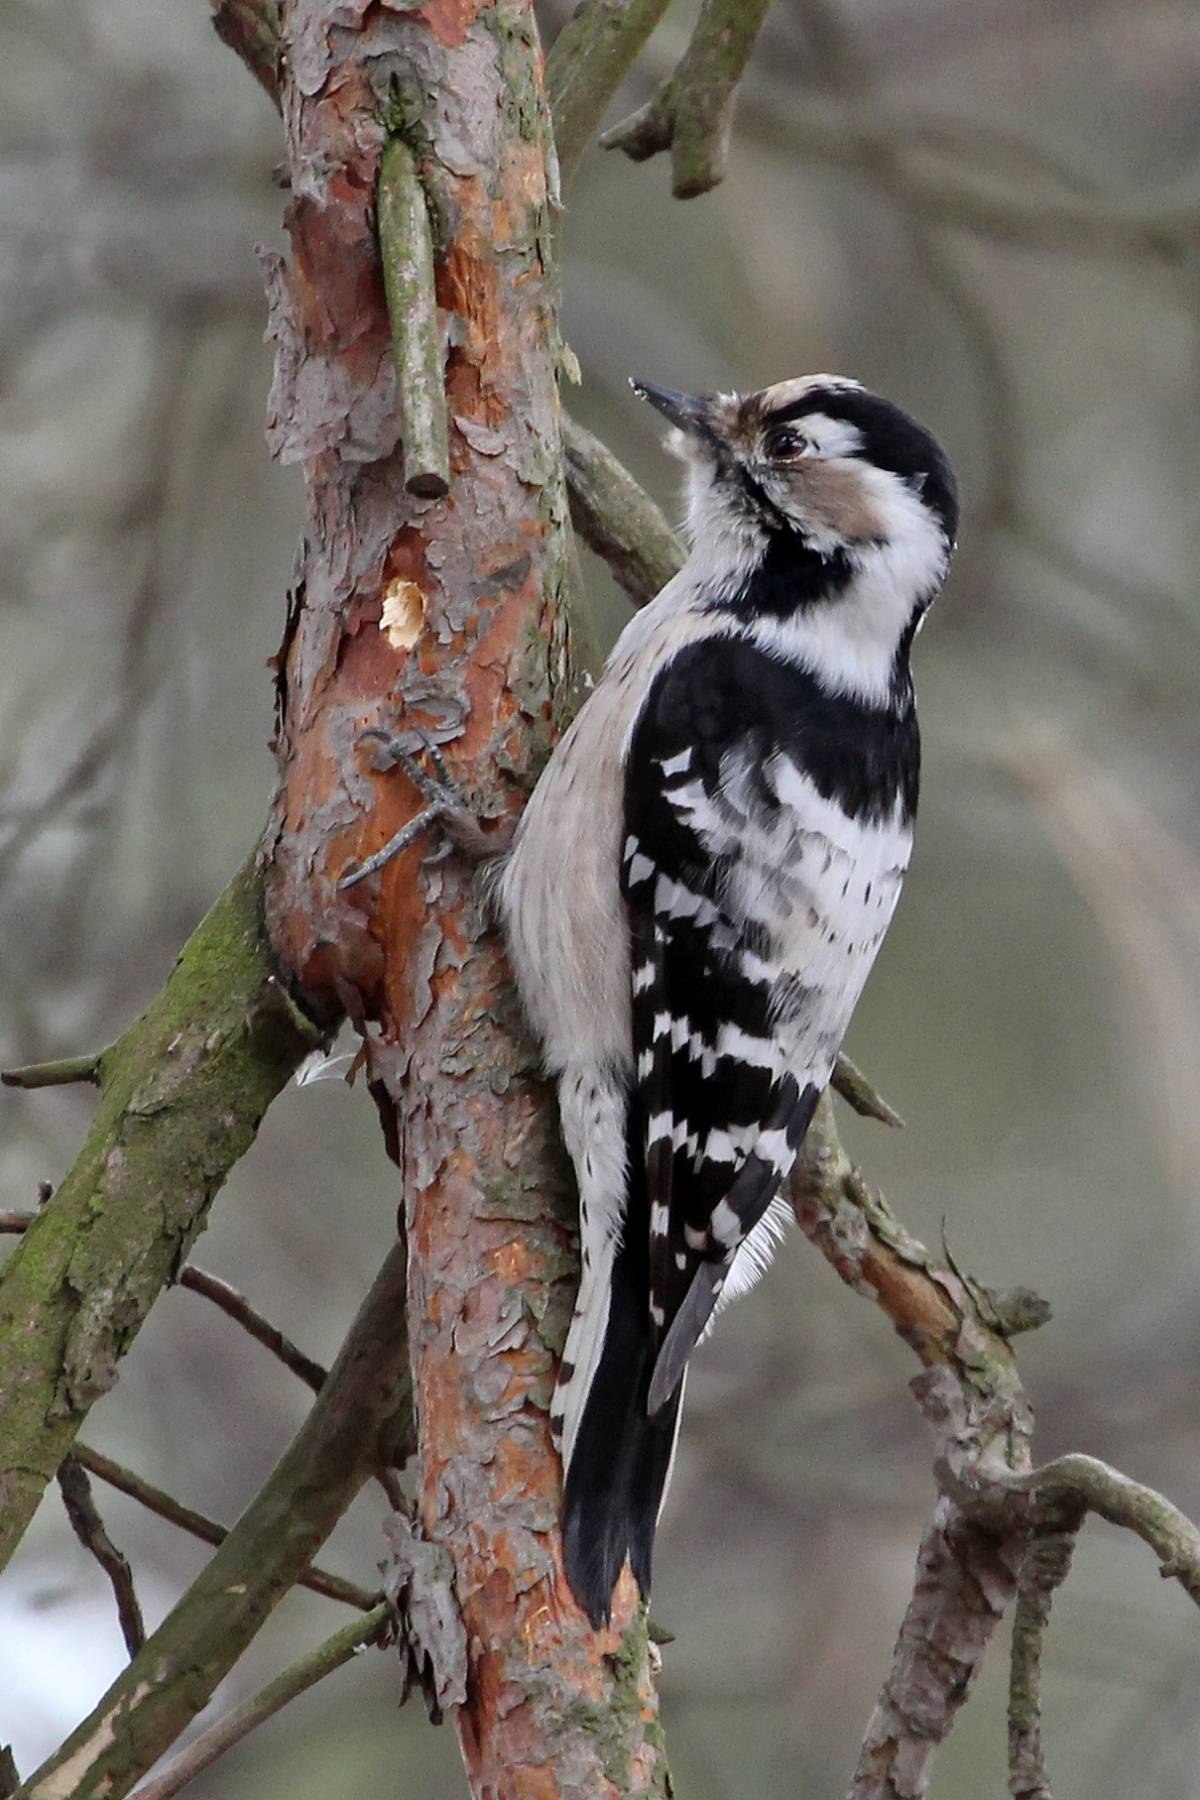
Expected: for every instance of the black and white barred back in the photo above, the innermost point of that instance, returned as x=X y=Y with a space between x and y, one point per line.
x=698 y=889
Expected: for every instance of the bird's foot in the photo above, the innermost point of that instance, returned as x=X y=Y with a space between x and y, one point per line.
x=445 y=807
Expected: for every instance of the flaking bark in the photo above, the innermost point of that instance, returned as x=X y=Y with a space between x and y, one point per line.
x=448 y=616
x=971 y=1394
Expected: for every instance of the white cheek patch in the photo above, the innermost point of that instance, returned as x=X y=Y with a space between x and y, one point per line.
x=849 y=642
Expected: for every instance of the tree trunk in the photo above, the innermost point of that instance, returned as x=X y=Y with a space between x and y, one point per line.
x=448 y=615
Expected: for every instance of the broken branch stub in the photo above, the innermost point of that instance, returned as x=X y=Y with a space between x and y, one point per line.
x=406 y=249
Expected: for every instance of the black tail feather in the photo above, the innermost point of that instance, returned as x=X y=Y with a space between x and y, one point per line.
x=621 y=1457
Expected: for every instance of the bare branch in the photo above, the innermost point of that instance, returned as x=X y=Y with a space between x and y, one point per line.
x=60 y=1073
x=964 y=1582
x=992 y=1503
x=1115 y=1497
x=971 y=1393
x=616 y=518
x=295 y=1680
x=587 y=64
x=253 y=31
x=406 y=250
x=1047 y=1561
x=157 y=1500
x=348 y=1434
x=88 y=1527
x=692 y=113
x=849 y=1081
x=238 y=1308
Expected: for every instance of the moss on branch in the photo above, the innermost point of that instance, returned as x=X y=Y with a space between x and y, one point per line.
x=181 y=1096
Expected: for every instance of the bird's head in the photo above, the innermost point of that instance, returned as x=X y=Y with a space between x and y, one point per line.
x=819 y=470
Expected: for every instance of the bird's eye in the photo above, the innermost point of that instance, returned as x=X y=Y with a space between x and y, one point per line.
x=784 y=441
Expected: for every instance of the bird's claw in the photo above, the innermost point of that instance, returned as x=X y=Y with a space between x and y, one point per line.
x=445 y=805
x=440 y=789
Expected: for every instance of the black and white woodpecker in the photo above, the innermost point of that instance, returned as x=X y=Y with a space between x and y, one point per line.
x=698 y=888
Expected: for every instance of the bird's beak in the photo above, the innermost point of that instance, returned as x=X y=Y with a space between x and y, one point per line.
x=690 y=412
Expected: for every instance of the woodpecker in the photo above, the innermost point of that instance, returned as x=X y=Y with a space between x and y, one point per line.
x=698 y=888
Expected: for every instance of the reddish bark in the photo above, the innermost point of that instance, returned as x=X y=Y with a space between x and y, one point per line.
x=550 y=1708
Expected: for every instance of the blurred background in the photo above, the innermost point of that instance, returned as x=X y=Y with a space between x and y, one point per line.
x=990 y=214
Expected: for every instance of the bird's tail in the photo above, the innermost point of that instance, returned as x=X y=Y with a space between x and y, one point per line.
x=617 y=1459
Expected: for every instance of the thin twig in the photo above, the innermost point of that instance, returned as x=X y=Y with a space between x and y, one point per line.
x=156 y=1500
x=692 y=113
x=1044 y=1569
x=975 y=1549
x=237 y=1307
x=406 y=249
x=591 y=55
x=850 y=1082
x=241 y=1720
x=59 y=1073
x=88 y=1527
x=234 y=1305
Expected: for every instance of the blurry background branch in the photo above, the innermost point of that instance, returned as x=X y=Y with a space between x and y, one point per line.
x=589 y=60
x=156 y=1500
x=692 y=113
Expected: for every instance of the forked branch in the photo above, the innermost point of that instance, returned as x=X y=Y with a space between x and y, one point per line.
x=1000 y=1527
x=692 y=113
